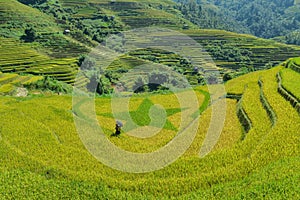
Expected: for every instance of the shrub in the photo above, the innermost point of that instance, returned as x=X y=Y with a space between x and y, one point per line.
x=27 y=2
x=139 y=85
x=30 y=35
x=100 y=85
x=86 y=63
x=50 y=84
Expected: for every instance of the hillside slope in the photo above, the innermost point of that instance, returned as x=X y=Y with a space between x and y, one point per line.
x=19 y=57
x=268 y=19
x=92 y=22
x=132 y=13
x=17 y=17
x=49 y=149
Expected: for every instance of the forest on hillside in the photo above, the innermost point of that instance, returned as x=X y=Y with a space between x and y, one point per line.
x=268 y=19
x=275 y=19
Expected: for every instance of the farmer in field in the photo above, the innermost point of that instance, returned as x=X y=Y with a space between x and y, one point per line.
x=118 y=128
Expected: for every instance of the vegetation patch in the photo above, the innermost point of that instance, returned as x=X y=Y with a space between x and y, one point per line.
x=243 y=117
x=266 y=104
x=10 y=82
x=288 y=95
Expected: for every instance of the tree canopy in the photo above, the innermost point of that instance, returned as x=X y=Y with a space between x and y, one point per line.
x=267 y=19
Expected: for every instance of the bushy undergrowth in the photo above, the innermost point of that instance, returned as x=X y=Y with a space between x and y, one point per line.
x=50 y=84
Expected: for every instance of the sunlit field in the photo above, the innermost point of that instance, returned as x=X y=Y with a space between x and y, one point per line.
x=40 y=146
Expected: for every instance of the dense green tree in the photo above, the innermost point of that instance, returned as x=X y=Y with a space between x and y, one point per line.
x=50 y=84
x=30 y=35
x=157 y=79
x=139 y=85
x=99 y=85
x=86 y=63
x=293 y=37
x=27 y=2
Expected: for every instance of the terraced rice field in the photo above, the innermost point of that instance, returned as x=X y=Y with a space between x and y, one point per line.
x=10 y=82
x=290 y=81
x=42 y=154
x=43 y=147
x=133 y=13
x=262 y=51
x=294 y=64
x=22 y=58
x=15 y=17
